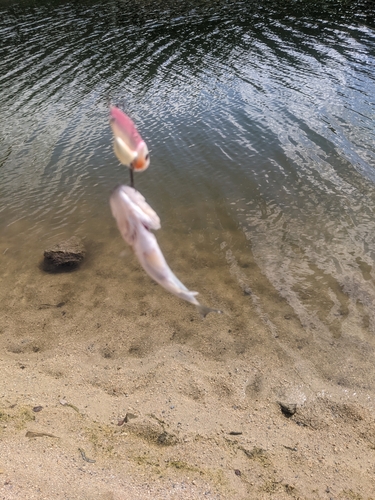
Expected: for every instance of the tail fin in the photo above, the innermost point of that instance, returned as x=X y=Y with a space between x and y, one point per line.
x=204 y=310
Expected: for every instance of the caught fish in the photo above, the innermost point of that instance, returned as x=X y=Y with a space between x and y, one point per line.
x=130 y=149
x=135 y=218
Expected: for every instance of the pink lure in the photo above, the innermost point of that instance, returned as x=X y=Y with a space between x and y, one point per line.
x=129 y=147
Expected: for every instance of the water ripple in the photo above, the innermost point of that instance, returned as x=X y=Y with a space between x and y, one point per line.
x=265 y=110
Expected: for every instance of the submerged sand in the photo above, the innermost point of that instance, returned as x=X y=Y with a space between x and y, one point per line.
x=251 y=404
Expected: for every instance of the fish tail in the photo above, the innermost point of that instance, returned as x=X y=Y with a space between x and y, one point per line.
x=204 y=310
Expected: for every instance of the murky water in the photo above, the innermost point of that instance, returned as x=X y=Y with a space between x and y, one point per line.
x=260 y=122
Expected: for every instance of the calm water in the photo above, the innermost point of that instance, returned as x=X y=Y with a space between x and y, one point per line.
x=261 y=126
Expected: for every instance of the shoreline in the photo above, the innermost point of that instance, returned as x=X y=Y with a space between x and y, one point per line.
x=205 y=394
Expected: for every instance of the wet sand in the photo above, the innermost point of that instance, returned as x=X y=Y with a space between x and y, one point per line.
x=251 y=404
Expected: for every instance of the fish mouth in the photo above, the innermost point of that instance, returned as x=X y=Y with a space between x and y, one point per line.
x=139 y=166
x=141 y=163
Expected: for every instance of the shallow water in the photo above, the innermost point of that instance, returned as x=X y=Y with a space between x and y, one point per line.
x=260 y=122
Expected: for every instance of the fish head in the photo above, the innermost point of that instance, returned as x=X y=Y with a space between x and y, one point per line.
x=123 y=211
x=132 y=212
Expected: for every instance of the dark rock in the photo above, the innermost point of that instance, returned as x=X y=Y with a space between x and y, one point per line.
x=64 y=256
x=288 y=409
x=166 y=439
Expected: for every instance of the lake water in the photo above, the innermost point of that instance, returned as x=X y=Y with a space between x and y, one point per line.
x=260 y=120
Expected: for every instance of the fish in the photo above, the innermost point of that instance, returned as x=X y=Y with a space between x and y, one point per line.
x=129 y=147
x=135 y=219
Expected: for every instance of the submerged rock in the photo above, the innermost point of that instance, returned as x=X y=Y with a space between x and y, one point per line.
x=65 y=256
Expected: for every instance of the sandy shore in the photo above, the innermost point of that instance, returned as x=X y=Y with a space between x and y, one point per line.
x=206 y=401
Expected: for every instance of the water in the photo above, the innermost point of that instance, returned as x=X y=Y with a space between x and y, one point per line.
x=260 y=122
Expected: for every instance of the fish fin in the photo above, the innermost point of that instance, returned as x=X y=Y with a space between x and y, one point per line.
x=204 y=310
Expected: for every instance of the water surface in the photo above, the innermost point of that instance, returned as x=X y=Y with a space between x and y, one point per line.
x=260 y=122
